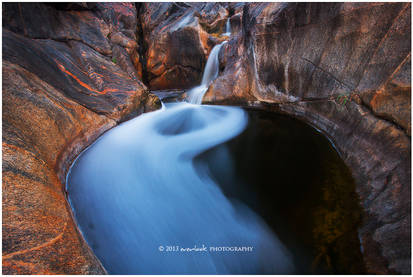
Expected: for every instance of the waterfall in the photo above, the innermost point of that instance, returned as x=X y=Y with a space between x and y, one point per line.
x=141 y=202
x=227 y=28
x=212 y=66
x=211 y=71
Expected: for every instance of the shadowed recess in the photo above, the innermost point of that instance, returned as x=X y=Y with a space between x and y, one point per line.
x=293 y=177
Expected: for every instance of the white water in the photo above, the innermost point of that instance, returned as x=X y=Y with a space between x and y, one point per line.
x=137 y=189
x=211 y=71
x=227 y=28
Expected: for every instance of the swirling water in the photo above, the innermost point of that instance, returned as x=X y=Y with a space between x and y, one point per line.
x=137 y=189
x=144 y=207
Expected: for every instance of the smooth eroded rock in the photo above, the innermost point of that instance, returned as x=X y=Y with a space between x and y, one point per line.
x=178 y=38
x=61 y=90
x=345 y=69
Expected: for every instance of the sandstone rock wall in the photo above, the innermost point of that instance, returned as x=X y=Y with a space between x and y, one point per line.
x=177 y=39
x=69 y=74
x=72 y=71
x=345 y=69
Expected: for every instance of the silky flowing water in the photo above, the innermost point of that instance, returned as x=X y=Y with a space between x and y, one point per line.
x=196 y=94
x=144 y=209
x=166 y=193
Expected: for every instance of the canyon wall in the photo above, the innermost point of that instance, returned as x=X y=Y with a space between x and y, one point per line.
x=345 y=69
x=72 y=71
x=177 y=39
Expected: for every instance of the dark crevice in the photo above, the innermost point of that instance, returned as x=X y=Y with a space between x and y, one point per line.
x=142 y=45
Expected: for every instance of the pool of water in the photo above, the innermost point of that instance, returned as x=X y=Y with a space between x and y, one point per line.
x=216 y=190
x=292 y=176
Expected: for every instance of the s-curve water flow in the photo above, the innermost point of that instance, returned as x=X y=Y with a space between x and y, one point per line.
x=144 y=207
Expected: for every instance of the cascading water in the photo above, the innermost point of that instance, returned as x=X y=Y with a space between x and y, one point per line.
x=227 y=28
x=145 y=208
x=211 y=71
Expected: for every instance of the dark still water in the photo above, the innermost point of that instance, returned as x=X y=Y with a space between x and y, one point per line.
x=180 y=191
x=291 y=175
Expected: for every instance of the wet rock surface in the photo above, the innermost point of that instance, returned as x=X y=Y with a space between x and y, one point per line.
x=68 y=75
x=80 y=68
x=344 y=68
x=177 y=38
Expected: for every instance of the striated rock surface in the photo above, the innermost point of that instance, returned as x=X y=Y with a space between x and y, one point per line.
x=345 y=69
x=177 y=38
x=73 y=70
x=69 y=74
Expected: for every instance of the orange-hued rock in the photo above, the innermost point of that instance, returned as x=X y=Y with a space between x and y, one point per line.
x=71 y=71
x=39 y=123
x=345 y=69
x=61 y=90
x=178 y=38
